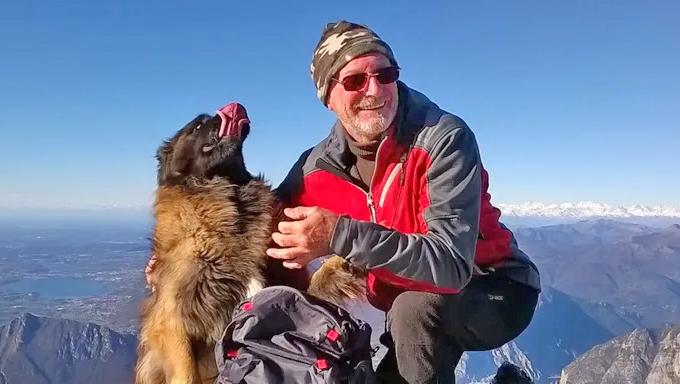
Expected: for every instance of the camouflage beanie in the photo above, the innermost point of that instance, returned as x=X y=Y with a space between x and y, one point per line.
x=341 y=42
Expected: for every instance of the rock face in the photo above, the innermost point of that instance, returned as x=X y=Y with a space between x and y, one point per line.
x=643 y=356
x=41 y=350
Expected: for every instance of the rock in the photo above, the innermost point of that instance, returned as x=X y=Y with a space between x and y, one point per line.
x=43 y=350
x=642 y=356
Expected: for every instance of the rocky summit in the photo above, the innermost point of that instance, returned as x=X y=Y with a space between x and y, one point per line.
x=42 y=350
x=643 y=356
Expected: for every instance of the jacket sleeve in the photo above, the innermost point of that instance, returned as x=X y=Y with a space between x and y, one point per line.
x=444 y=256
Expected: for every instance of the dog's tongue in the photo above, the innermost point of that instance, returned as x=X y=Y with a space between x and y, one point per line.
x=234 y=117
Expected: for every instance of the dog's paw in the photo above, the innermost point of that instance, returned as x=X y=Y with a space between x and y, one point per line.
x=338 y=282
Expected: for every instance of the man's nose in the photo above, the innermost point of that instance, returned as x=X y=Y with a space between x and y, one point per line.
x=373 y=87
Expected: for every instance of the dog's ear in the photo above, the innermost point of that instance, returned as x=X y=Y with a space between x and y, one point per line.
x=171 y=163
x=164 y=155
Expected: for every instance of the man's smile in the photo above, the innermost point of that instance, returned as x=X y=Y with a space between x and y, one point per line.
x=371 y=107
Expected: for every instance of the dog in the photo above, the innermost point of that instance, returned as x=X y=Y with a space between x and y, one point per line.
x=213 y=225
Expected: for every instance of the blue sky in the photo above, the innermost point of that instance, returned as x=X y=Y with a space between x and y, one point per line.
x=570 y=101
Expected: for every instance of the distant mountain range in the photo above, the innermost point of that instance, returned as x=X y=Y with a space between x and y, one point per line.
x=643 y=356
x=588 y=209
x=583 y=209
x=630 y=271
x=41 y=350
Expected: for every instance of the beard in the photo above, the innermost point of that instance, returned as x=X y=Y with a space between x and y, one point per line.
x=370 y=127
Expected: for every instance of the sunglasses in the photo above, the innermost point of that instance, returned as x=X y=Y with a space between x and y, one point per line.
x=359 y=81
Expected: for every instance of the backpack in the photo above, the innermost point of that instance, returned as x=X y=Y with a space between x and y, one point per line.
x=283 y=336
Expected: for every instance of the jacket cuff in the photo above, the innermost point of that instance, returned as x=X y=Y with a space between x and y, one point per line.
x=338 y=243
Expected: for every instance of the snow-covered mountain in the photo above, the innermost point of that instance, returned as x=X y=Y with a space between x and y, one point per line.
x=587 y=209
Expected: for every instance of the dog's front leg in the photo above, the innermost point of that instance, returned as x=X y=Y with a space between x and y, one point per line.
x=149 y=369
x=338 y=282
x=179 y=358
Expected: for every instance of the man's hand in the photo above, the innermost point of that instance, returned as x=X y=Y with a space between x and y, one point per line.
x=305 y=238
x=148 y=272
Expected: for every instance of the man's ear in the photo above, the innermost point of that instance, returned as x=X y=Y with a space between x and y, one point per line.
x=328 y=105
x=331 y=87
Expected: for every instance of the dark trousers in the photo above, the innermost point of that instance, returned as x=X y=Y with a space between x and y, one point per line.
x=427 y=333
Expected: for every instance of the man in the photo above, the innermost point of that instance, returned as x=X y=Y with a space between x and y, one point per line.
x=398 y=188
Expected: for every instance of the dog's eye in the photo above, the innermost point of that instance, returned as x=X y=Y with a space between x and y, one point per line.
x=198 y=127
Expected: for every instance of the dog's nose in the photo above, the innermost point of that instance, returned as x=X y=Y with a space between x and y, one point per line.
x=234 y=117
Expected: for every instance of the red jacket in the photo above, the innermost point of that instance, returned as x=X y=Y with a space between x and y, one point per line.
x=427 y=220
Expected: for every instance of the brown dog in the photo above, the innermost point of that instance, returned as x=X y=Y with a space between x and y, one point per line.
x=213 y=225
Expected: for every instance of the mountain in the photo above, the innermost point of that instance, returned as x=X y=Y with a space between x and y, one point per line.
x=560 y=331
x=649 y=356
x=41 y=350
x=45 y=350
x=623 y=269
x=588 y=209
x=601 y=278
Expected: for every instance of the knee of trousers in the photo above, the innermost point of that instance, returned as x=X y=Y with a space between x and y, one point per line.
x=414 y=315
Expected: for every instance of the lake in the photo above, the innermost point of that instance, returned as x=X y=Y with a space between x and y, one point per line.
x=58 y=287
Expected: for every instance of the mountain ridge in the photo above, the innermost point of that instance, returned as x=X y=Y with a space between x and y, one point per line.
x=587 y=209
x=642 y=356
x=44 y=350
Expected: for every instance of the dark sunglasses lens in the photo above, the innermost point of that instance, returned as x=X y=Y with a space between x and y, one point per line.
x=354 y=82
x=358 y=81
x=388 y=75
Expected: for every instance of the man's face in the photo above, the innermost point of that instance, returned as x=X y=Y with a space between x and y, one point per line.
x=367 y=112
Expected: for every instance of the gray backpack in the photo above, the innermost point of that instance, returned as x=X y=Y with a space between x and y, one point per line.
x=282 y=336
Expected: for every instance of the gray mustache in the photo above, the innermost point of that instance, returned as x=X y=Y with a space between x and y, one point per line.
x=371 y=102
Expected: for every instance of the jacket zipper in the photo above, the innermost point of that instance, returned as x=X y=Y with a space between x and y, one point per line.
x=328 y=315
x=371 y=206
x=266 y=350
x=369 y=195
x=325 y=165
x=319 y=308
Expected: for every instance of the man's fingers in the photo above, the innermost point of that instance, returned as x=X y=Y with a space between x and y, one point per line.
x=292 y=265
x=152 y=260
x=290 y=227
x=285 y=253
x=285 y=240
x=298 y=213
x=148 y=272
x=150 y=280
x=149 y=264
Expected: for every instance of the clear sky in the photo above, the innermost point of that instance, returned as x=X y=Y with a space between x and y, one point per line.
x=570 y=101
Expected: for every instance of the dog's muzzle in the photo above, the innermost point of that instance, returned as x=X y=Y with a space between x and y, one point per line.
x=234 y=118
